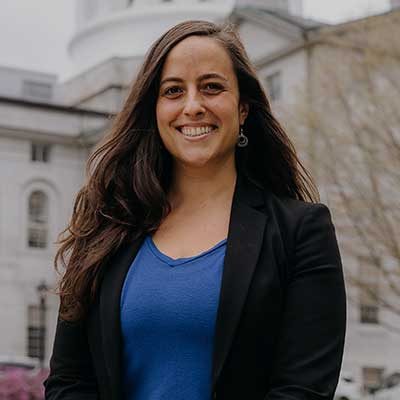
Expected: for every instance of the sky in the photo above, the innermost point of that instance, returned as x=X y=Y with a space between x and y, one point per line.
x=35 y=34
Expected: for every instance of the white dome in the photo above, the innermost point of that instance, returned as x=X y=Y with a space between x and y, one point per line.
x=290 y=6
x=126 y=28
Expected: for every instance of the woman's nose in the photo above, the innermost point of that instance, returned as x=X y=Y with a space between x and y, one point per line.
x=194 y=104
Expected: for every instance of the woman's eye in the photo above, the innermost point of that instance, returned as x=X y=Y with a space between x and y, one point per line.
x=213 y=87
x=172 y=91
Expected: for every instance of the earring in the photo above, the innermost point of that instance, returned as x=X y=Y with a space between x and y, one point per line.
x=243 y=139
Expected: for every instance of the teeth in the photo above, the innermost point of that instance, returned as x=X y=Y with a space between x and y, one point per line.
x=196 y=131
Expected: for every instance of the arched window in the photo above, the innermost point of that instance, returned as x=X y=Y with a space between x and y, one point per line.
x=38 y=216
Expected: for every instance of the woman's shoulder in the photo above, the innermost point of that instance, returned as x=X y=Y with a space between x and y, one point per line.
x=303 y=228
x=296 y=220
x=284 y=211
x=292 y=209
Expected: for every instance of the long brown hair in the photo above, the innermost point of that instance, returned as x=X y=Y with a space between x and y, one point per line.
x=128 y=175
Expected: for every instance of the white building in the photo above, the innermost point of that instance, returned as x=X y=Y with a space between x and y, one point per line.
x=47 y=129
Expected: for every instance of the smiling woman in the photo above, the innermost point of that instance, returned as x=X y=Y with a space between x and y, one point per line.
x=199 y=99
x=197 y=262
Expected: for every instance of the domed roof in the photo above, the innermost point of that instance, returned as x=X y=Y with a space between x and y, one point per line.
x=126 y=28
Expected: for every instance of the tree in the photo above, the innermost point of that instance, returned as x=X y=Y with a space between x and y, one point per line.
x=348 y=126
x=20 y=384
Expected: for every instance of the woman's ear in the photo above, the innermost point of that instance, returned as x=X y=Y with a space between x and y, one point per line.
x=243 y=112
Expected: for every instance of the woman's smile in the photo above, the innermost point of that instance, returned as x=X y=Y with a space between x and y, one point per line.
x=196 y=133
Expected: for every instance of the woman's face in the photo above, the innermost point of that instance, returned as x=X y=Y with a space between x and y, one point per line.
x=198 y=108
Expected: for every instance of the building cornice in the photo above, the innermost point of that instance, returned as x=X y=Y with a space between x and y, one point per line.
x=282 y=53
x=34 y=135
x=50 y=123
x=102 y=91
x=51 y=107
x=357 y=23
x=268 y=21
x=329 y=36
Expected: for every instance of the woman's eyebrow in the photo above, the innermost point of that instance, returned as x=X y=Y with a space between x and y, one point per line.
x=200 y=78
x=212 y=75
x=170 y=79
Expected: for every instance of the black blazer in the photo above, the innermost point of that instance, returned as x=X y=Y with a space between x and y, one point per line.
x=281 y=318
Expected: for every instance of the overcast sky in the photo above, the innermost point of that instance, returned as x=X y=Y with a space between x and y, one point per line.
x=34 y=34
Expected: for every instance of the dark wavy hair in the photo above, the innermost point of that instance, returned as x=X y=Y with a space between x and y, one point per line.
x=129 y=173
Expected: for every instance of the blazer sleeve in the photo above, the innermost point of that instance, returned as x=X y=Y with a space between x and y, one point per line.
x=312 y=331
x=72 y=374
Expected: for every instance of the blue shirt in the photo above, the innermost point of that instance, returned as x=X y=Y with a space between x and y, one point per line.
x=168 y=313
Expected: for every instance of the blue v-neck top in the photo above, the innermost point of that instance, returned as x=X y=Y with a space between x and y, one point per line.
x=168 y=314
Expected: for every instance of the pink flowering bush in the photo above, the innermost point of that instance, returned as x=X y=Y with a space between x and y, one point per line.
x=21 y=384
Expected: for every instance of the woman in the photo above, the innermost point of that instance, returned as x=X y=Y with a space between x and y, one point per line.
x=196 y=269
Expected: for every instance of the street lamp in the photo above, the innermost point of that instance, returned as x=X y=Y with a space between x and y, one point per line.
x=42 y=289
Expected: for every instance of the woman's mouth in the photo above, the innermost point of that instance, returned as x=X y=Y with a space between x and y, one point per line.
x=196 y=131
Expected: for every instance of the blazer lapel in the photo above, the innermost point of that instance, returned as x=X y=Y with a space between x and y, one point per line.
x=110 y=313
x=245 y=238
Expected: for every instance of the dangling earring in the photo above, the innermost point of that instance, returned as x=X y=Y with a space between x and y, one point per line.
x=243 y=139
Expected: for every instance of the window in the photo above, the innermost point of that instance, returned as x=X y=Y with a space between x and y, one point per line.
x=274 y=86
x=38 y=90
x=36 y=333
x=372 y=378
x=38 y=219
x=40 y=152
x=369 y=314
x=368 y=292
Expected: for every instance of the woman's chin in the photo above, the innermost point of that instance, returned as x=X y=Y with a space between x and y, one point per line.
x=197 y=163
x=196 y=160
x=197 y=157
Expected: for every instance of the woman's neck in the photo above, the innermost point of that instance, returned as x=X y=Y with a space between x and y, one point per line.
x=197 y=187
